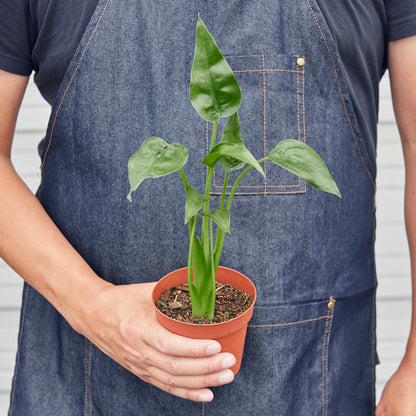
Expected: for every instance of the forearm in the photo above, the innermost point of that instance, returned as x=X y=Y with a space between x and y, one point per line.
x=33 y=246
x=410 y=218
x=403 y=83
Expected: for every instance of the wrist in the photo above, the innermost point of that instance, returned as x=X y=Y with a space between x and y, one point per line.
x=75 y=296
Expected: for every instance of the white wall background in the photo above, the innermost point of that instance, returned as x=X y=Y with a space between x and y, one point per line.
x=391 y=246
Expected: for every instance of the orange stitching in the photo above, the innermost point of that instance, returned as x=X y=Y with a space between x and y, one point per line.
x=266 y=185
x=323 y=368
x=207 y=136
x=303 y=107
x=18 y=348
x=290 y=323
x=269 y=186
x=86 y=376
x=70 y=82
x=341 y=94
x=89 y=378
x=297 y=102
x=268 y=70
x=203 y=409
x=327 y=361
x=301 y=191
x=264 y=125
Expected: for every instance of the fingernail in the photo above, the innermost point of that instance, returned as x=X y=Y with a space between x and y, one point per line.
x=228 y=361
x=226 y=377
x=213 y=348
x=206 y=397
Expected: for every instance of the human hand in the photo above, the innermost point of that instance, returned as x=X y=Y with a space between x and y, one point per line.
x=399 y=395
x=122 y=323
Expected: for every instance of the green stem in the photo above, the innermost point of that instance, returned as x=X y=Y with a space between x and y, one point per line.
x=184 y=180
x=208 y=180
x=237 y=181
x=213 y=270
x=185 y=185
x=224 y=189
x=221 y=234
x=191 y=245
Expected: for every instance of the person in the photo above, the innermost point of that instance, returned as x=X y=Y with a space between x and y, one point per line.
x=116 y=73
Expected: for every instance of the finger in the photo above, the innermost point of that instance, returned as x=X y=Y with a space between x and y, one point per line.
x=171 y=344
x=191 y=382
x=199 y=395
x=178 y=366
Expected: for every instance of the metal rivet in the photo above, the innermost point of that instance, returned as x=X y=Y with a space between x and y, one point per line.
x=331 y=304
x=300 y=61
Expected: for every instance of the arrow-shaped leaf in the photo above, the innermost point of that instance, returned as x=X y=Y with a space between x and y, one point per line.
x=194 y=202
x=235 y=151
x=221 y=217
x=231 y=134
x=214 y=90
x=154 y=159
x=300 y=159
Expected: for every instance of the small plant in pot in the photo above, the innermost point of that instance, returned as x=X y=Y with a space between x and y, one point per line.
x=215 y=94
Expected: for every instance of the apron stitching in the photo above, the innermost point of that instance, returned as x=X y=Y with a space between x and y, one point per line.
x=89 y=378
x=266 y=186
x=290 y=323
x=70 y=81
x=323 y=367
x=269 y=70
x=341 y=94
x=269 y=186
x=301 y=191
x=327 y=362
x=303 y=107
x=86 y=377
x=264 y=123
x=297 y=101
x=19 y=345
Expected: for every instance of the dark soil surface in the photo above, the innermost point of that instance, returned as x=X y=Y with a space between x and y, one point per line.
x=229 y=303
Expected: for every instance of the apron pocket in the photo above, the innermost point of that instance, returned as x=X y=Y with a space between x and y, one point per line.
x=285 y=363
x=272 y=109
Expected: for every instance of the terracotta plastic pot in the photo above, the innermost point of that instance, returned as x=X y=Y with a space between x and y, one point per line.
x=231 y=334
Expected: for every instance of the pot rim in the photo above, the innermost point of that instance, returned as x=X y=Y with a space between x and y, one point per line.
x=246 y=315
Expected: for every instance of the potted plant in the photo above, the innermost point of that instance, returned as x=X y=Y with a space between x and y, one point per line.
x=215 y=94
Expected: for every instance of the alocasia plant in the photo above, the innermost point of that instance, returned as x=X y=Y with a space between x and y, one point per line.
x=214 y=93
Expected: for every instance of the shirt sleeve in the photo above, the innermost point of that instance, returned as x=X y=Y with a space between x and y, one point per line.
x=401 y=17
x=16 y=37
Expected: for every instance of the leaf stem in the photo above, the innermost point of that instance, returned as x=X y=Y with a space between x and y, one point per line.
x=184 y=179
x=224 y=189
x=237 y=181
x=191 y=244
x=208 y=180
x=221 y=234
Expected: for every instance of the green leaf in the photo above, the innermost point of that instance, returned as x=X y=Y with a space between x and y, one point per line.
x=194 y=202
x=214 y=90
x=154 y=159
x=231 y=134
x=300 y=159
x=235 y=151
x=221 y=217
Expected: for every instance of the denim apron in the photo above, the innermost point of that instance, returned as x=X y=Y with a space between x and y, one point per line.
x=310 y=346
